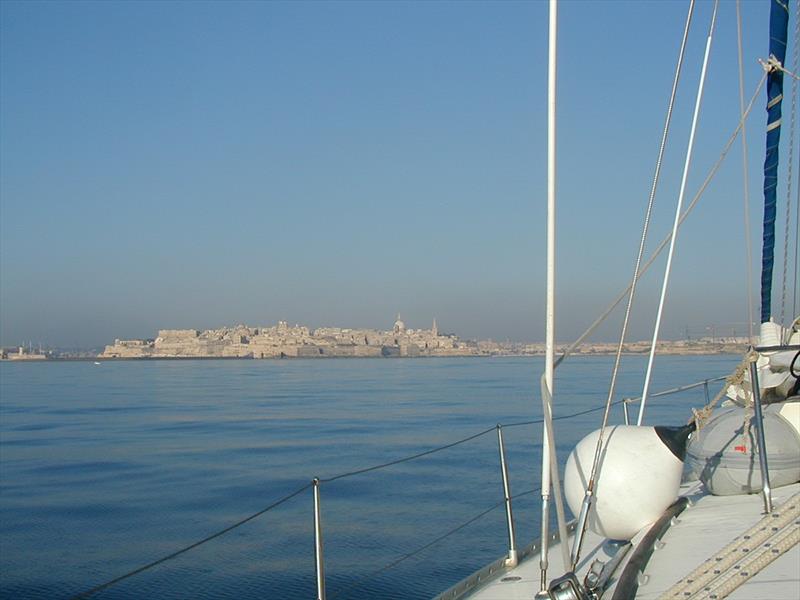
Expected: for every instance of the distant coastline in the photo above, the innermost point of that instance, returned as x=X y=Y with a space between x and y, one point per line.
x=283 y=341
x=298 y=341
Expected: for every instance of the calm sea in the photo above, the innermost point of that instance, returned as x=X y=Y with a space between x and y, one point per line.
x=104 y=468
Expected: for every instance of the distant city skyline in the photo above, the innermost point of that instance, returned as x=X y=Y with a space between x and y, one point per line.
x=198 y=165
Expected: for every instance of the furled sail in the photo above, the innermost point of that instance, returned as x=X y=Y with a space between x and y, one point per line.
x=778 y=21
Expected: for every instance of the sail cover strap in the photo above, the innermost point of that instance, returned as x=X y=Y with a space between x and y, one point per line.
x=778 y=23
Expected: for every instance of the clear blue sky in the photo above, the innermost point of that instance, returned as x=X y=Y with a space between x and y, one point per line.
x=197 y=164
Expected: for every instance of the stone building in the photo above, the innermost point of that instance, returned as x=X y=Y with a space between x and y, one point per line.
x=283 y=340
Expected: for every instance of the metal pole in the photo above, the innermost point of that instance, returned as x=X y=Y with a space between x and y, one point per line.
x=318 y=542
x=550 y=313
x=676 y=222
x=625 y=411
x=512 y=559
x=705 y=389
x=762 y=445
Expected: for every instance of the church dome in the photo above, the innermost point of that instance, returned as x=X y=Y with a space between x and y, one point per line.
x=399 y=326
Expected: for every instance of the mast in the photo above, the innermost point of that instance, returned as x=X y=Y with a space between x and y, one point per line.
x=778 y=25
x=547 y=433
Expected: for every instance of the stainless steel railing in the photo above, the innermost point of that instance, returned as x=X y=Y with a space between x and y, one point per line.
x=761 y=437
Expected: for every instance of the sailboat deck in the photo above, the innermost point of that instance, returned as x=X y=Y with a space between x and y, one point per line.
x=706 y=526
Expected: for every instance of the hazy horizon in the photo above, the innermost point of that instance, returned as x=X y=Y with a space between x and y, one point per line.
x=194 y=165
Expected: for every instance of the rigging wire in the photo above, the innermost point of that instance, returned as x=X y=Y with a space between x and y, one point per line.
x=649 y=211
x=790 y=162
x=796 y=244
x=746 y=183
x=797 y=203
x=632 y=287
x=663 y=244
x=670 y=254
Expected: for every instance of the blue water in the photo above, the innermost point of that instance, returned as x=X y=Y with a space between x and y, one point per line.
x=104 y=468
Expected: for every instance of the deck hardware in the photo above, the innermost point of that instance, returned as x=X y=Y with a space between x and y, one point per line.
x=318 y=542
x=512 y=559
x=599 y=576
x=593 y=576
x=567 y=587
x=642 y=579
x=760 y=438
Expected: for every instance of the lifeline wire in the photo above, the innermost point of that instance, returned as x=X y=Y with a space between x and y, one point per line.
x=362 y=580
x=277 y=503
x=407 y=458
x=116 y=580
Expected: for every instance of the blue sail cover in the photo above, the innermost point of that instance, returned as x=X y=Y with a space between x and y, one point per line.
x=778 y=21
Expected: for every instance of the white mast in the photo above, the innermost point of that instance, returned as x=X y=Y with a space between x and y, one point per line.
x=551 y=286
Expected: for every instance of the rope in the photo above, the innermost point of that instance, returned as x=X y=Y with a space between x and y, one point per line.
x=700 y=417
x=746 y=184
x=745 y=556
x=681 y=388
x=789 y=177
x=755 y=563
x=773 y=64
x=213 y=536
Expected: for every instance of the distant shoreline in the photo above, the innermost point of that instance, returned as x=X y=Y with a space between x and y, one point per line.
x=727 y=351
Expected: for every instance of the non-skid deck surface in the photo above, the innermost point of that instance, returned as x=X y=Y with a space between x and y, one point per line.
x=706 y=526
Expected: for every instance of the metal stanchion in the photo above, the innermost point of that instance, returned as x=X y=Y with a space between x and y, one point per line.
x=318 y=542
x=705 y=389
x=762 y=443
x=512 y=559
x=625 y=411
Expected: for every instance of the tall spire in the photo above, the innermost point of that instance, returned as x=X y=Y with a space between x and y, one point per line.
x=434 y=329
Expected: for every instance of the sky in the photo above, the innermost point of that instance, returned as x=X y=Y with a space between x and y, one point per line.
x=200 y=164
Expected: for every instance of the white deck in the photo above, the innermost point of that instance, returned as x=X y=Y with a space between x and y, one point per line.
x=707 y=525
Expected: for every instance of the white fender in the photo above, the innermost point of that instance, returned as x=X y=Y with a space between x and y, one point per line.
x=638 y=478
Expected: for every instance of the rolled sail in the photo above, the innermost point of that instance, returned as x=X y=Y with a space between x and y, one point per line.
x=778 y=21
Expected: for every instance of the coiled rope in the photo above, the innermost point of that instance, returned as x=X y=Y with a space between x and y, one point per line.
x=745 y=556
